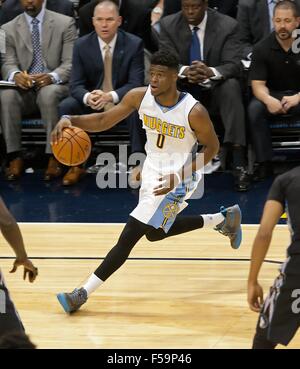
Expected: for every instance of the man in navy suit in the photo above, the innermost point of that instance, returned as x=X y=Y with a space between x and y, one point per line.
x=136 y=16
x=12 y=8
x=101 y=77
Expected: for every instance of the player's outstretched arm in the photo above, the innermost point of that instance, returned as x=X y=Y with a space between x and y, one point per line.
x=271 y=215
x=99 y=122
x=13 y=236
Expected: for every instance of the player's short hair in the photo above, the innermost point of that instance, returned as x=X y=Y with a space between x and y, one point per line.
x=287 y=4
x=165 y=58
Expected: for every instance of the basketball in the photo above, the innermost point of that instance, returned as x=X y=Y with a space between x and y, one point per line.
x=74 y=148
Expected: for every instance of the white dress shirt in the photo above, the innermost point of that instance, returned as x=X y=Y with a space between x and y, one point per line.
x=112 y=46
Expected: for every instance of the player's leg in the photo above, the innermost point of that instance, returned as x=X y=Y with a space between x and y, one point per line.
x=133 y=231
x=227 y=222
x=260 y=341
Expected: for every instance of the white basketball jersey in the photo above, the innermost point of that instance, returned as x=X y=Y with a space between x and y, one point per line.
x=170 y=139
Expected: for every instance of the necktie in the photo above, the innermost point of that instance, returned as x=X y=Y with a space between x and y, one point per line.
x=107 y=85
x=37 y=60
x=272 y=4
x=195 y=50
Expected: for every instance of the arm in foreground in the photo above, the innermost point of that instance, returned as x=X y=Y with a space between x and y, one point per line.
x=101 y=121
x=11 y=232
x=271 y=215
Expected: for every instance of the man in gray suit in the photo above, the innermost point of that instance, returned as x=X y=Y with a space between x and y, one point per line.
x=255 y=22
x=207 y=44
x=12 y=8
x=38 y=58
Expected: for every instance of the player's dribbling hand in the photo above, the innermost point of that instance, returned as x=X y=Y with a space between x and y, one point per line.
x=56 y=134
x=29 y=269
x=255 y=297
x=167 y=184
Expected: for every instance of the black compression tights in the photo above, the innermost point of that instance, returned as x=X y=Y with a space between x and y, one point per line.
x=133 y=232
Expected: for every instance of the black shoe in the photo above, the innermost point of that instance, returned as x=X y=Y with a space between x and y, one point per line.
x=262 y=171
x=242 y=180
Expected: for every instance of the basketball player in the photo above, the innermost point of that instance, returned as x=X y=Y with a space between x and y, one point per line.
x=280 y=313
x=174 y=122
x=9 y=318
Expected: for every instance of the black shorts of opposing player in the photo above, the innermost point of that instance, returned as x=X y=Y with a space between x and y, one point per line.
x=279 y=319
x=9 y=318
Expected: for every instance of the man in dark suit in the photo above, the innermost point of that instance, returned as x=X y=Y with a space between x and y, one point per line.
x=209 y=50
x=11 y=8
x=228 y=7
x=91 y=73
x=136 y=16
x=255 y=22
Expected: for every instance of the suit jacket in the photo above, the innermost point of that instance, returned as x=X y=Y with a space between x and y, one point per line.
x=254 y=22
x=228 y=7
x=88 y=69
x=136 y=16
x=58 y=36
x=12 y=8
x=221 y=44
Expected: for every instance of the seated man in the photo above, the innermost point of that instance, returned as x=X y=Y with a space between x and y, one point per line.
x=38 y=57
x=255 y=22
x=107 y=63
x=275 y=76
x=12 y=8
x=208 y=48
x=228 y=7
x=136 y=19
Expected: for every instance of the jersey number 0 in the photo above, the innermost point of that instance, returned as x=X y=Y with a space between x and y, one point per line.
x=160 y=141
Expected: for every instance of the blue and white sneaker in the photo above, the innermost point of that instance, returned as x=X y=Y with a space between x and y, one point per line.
x=71 y=302
x=231 y=226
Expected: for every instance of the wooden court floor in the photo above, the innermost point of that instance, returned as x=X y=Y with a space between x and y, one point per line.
x=171 y=294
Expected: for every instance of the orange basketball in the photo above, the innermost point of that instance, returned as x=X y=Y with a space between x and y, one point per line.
x=74 y=148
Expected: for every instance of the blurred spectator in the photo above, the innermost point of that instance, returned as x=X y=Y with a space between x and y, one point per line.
x=101 y=77
x=275 y=76
x=136 y=16
x=208 y=47
x=11 y=8
x=228 y=7
x=255 y=22
x=38 y=58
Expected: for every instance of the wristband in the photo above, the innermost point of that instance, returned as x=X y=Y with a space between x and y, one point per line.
x=66 y=117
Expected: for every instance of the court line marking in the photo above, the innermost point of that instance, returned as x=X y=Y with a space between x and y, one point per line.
x=118 y=224
x=139 y=259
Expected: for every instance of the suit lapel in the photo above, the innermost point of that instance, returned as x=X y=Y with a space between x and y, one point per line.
x=117 y=57
x=96 y=60
x=184 y=39
x=47 y=32
x=210 y=34
x=263 y=13
x=24 y=33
